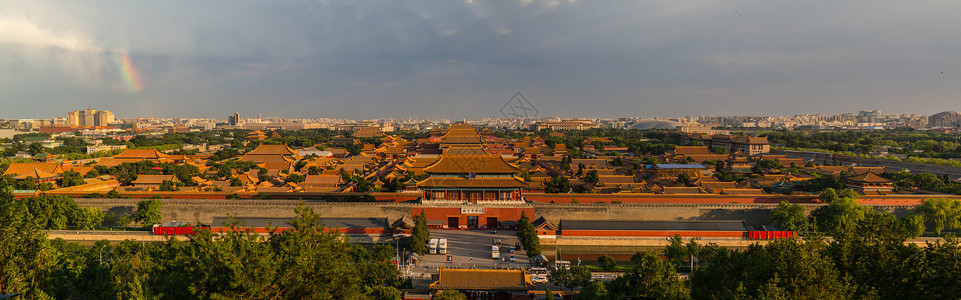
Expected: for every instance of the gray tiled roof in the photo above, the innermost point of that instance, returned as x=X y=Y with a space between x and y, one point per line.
x=329 y=222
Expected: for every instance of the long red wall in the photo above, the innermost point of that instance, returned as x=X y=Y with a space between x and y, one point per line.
x=341 y=230
x=737 y=234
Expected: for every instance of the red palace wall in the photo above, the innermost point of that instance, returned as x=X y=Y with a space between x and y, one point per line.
x=501 y=213
x=600 y=233
x=341 y=230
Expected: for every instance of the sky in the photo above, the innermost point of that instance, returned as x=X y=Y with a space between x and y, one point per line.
x=466 y=59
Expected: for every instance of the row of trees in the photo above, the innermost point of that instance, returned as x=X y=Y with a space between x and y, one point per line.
x=62 y=212
x=902 y=140
x=842 y=216
x=924 y=181
x=650 y=277
x=867 y=258
x=874 y=263
x=305 y=263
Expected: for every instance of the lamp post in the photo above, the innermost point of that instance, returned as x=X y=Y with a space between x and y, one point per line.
x=100 y=254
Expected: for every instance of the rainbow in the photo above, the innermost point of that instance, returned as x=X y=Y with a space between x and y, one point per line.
x=130 y=74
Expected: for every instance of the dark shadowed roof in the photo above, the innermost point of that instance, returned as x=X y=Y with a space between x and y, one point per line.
x=679 y=166
x=480 y=279
x=718 y=225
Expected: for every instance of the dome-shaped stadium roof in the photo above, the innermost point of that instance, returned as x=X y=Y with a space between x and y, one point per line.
x=655 y=124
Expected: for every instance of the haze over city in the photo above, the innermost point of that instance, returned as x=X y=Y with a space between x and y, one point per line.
x=464 y=59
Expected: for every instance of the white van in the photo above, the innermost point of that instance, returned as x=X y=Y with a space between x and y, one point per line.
x=432 y=246
x=442 y=246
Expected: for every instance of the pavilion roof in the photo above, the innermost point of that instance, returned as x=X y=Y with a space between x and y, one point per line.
x=460 y=182
x=869 y=177
x=17 y=169
x=472 y=164
x=272 y=150
x=140 y=154
x=461 y=134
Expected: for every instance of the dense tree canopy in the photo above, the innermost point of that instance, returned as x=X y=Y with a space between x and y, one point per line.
x=305 y=263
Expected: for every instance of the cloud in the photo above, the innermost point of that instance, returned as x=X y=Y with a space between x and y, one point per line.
x=771 y=59
x=419 y=58
x=24 y=33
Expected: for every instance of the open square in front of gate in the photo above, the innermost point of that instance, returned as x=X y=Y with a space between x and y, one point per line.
x=471 y=249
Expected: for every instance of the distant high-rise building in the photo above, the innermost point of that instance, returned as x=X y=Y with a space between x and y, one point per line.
x=102 y=118
x=234 y=119
x=950 y=119
x=90 y=117
x=869 y=116
x=73 y=119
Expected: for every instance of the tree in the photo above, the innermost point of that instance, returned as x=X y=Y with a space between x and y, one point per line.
x=593 y=291
x=676 y=252
x=25 y=262
x=385 y=292
x=650 y=277
x=591 y=177
x=558 y=184
x=928 y=181
x=828 y=196
x=684 y=178
x=88 y=218
x=71 y=178
x=841 y=216
x=789 y=216
x=940 y=214
x=168 y=186
x=420 y=234
x=821 y=183
x=450 y=295
x=570 y=277
x=36 y=148
x=606 y=261
x=528 y=236
x=113 y=194
x=295 y=178
x=148 y=212
x=28 y=183
x=262 y=175
x=912 y=225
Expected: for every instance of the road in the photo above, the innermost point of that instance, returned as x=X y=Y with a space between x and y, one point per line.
x=472 y=249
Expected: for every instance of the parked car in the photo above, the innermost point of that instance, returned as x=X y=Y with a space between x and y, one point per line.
x=511 y=249
x=539 y=279
x=512 y=258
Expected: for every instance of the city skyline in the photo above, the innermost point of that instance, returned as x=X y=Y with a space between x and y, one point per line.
x=465 y=59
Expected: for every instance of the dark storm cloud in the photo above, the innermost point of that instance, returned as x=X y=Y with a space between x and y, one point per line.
x=445 y=59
